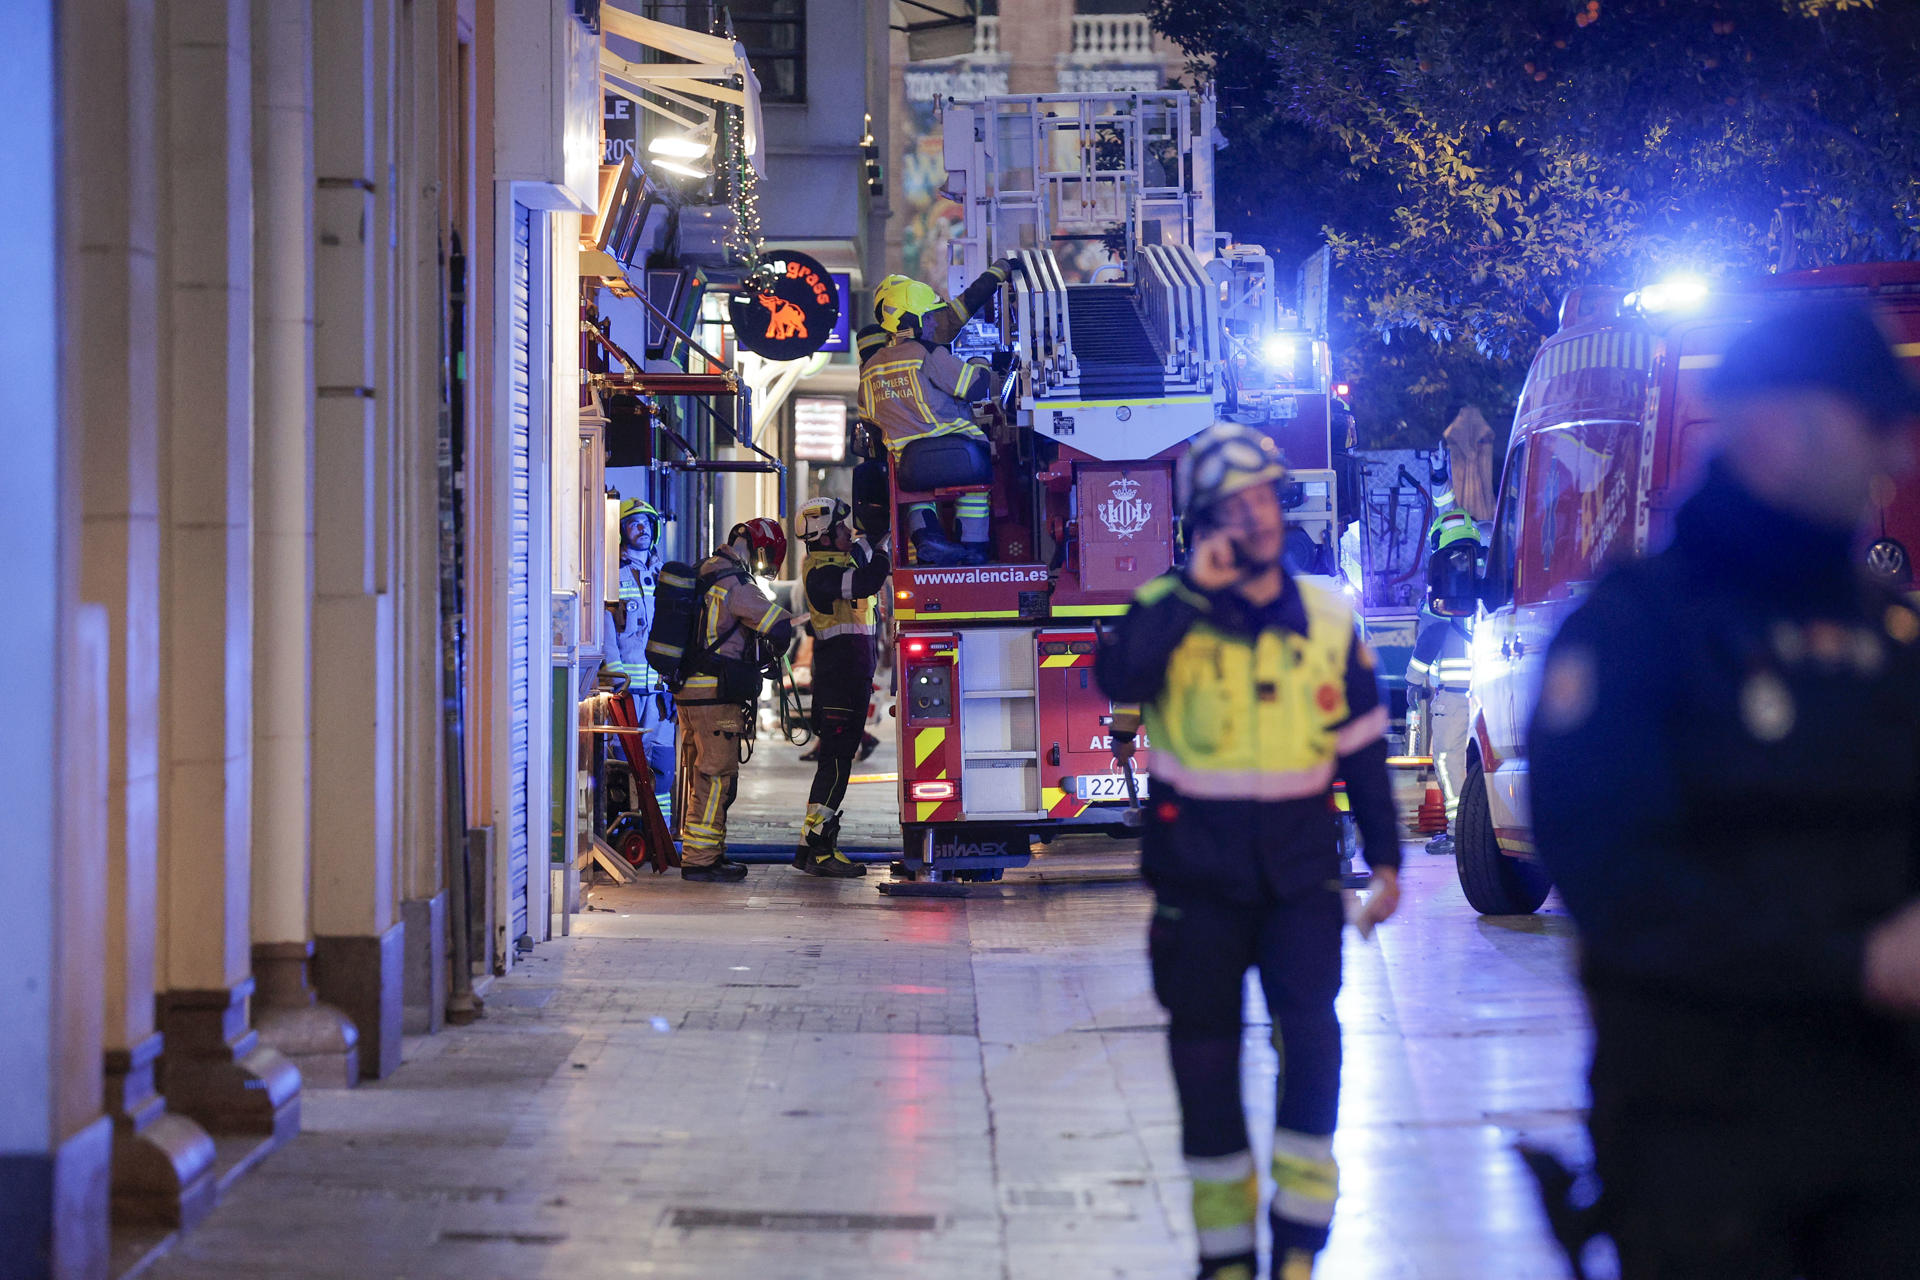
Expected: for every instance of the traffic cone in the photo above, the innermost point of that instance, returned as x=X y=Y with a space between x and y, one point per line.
x=1433 y=812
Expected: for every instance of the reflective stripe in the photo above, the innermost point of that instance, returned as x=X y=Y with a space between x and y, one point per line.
x=844 y=629
x=1356 y=733
x=846 y=583
x=1225 y=1242
x=1306 y=1178
x=1242 y=784
x=1230 y=1168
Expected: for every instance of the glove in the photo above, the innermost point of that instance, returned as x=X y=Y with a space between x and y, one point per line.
x=1006 y=268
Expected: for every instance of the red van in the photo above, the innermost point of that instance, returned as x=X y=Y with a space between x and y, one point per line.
x=1608 y=437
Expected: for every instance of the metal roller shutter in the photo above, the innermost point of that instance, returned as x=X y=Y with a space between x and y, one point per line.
x=519 y=563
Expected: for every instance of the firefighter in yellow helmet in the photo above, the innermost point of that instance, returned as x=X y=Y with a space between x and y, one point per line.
x=632 y=618
x=920 y=392
x=1257 y=693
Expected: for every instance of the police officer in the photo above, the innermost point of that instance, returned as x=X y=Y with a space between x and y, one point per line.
x=841 y=575
x=1441 y=669
x=741 y=631
x=1725 y=764
x=1258 y=693
x=920 y=392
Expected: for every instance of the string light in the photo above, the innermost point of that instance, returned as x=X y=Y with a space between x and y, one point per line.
x=744 y=240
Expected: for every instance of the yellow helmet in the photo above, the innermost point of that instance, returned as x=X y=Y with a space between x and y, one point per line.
x=900 y=298
x=638 y=507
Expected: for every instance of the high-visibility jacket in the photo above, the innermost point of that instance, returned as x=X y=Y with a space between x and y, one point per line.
x=1251 y=710
x=1441 y=658
x=1257 y=718
x=840 y=591
x=916 y=392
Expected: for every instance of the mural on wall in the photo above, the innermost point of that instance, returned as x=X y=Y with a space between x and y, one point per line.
x=931 y=218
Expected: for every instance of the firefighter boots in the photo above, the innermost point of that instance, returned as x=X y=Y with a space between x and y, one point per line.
x=818 y=854
x=934 y=548
x=723 y=870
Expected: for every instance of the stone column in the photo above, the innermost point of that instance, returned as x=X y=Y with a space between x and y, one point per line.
x=318 y=1038
x=54 y=1144
x=359 y=941
x=214 y=1068
x=427 y=38
x=162 y=1162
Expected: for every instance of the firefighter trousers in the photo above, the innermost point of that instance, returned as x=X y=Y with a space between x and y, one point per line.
x=710 y=758
x=1448 y=712
x=842 y=688
x=1201 y=947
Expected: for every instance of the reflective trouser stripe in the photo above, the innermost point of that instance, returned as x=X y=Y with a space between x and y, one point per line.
x=1226 y=1200
x=1306 y=1178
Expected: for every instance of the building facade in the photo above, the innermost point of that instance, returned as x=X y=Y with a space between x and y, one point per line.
x=292 y=397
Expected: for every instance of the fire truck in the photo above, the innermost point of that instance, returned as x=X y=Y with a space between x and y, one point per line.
x=1608 y=439
x=1130 y=326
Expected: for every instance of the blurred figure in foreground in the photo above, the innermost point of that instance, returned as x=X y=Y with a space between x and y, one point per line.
x=1726 y=787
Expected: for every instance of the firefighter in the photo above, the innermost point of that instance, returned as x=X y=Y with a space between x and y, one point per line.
x=1442 y=667
x=919 y=393
x=741 y=632
x=840 y=576
x=1257 y=693
x=632 y=621
x=1725 y=770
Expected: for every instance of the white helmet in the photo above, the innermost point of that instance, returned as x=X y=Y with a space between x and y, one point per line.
x=818 y=519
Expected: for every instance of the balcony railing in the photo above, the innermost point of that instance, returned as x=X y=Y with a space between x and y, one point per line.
x=1118 y=37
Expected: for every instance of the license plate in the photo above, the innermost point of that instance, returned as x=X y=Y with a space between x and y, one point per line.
x=1107 y=786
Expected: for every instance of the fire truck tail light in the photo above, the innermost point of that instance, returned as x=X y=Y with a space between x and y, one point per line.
x=917 y=646
x=932 y=791
x=903 y=595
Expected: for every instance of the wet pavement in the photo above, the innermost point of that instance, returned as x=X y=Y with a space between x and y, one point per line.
x=794 y=1078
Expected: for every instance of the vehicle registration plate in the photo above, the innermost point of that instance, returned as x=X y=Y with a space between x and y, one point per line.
x=1107 y=786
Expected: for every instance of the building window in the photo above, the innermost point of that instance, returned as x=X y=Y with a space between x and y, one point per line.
x=1110 y=6
x=775 y=35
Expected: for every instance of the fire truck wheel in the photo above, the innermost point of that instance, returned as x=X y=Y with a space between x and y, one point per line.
x=1495 y=883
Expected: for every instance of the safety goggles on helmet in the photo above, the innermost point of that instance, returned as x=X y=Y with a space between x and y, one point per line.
x=1226 y=459
x=900 y=300
x=819 y=518
x=766 y=541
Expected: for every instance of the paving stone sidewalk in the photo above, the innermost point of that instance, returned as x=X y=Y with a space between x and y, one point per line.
x=794 y=1078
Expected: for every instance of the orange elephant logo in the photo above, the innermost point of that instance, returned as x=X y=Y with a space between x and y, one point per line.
x=785 y=321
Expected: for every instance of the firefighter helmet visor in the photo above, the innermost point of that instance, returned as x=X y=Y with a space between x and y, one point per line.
x=1453 y=580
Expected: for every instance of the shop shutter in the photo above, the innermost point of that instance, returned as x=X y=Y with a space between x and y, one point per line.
x=519 y=564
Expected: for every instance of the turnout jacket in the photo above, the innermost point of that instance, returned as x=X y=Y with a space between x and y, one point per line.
x=840 y=588
x=738 y=622
x=1725 y=767
x=916 y=391
x=1440 y=660
x=1251 y=714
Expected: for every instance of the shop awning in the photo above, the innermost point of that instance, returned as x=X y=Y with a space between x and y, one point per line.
x=710 y=65
x=935 y=28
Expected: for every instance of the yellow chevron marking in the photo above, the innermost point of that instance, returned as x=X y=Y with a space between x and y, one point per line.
x=925 y=743
x=1057 y=660
x=1051 y=796
x=923 y=809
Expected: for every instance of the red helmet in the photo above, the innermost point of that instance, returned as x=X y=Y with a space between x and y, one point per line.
x=766 y=540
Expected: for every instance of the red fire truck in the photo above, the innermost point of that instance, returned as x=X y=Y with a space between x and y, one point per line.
x=1130 y=327
x=1608 y=438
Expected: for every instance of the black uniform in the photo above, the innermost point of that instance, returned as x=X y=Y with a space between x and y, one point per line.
x=840 y=587
x=1725 y=769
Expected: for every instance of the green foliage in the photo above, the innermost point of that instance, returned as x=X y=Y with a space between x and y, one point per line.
x=1471 y=161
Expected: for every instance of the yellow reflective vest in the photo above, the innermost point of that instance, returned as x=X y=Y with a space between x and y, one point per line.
x=1257 y=718
x=847 y=617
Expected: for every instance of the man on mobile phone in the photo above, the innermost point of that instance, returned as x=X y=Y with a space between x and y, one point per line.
x=1257 y=693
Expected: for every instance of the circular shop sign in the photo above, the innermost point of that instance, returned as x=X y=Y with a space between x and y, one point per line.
x=787 y=308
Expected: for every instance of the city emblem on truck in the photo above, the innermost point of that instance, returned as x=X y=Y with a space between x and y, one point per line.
x=1126 y=512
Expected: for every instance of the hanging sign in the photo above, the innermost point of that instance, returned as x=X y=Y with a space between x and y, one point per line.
x=788 y=308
